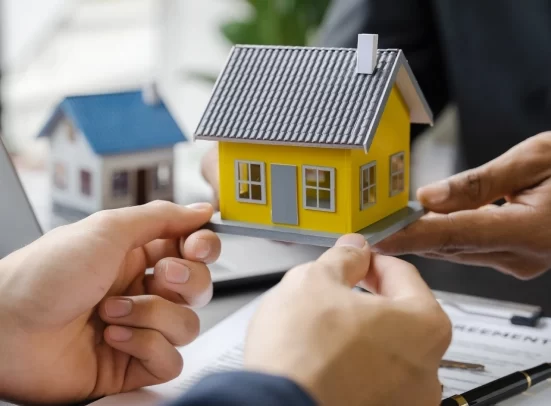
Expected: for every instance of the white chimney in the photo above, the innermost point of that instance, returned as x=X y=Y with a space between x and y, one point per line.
x=367 y=53
x=150 y=94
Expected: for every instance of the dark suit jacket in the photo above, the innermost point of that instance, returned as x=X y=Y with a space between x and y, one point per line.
x=245 y=389
x=490 y=58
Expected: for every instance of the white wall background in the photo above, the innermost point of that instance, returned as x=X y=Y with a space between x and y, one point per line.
x=24 y=24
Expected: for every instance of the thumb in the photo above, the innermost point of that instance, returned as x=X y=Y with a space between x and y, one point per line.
x=347 y=262
x=523 y=166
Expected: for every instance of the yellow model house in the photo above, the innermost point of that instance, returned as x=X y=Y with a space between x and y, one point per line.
x=314 y=139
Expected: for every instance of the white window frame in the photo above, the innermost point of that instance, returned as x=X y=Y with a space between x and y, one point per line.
x=371 y=184
x=397 y=173
x=317 y=188
x=161 y=187
x=249 y=182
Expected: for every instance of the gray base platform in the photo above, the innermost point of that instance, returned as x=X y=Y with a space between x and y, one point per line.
x=373 y=234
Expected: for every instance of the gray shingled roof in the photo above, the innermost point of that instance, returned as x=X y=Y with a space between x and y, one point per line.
x=311 y=96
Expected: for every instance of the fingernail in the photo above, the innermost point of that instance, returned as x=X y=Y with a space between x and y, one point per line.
x=118 y=333
x=118 y=307
x=200 y=206
x=176 y=272
x=351 y=240
x=201 y=248
x=436 y=193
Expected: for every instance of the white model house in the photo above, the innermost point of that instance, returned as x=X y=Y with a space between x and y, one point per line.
x=110 y=151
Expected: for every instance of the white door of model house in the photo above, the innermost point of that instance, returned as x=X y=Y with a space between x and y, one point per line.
x=284 y=194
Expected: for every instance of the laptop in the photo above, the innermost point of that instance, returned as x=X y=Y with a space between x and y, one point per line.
x=18 y=223
x=243 y=259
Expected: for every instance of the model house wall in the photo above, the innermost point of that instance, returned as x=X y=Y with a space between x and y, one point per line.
x=350 y=214
x=75 y=170
x=159 y=175
x=392 y=137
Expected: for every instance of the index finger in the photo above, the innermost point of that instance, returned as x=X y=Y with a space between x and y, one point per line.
x=139 y=225
x=396 y=279
x=482 y=230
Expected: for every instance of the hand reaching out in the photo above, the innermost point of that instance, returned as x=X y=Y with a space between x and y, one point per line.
x=351 y=348
x=466 y=227
x=96 y=323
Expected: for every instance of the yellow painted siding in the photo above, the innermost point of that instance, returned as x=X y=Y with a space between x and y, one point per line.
x=231 y=209
x=393 y=135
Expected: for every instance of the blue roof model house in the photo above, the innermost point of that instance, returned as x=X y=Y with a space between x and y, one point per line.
x=111 y=150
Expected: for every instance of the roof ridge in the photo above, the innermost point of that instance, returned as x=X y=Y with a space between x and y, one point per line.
x=101 y=94
x=252 y=46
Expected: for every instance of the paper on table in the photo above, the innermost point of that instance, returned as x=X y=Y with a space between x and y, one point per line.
x=501 y=347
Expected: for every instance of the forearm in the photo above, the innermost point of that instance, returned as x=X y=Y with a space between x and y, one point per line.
x=243 y=389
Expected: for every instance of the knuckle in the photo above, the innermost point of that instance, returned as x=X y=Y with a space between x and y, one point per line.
x=472 y=185
x=297 y=272
x=539 y=144
x=340 y=257
x=351 y=254
x=105 y=219
x=330 y=314
x=449 y=238
x=439 y=325
x=151 y=342
x=320 y=267
x=160 y=205
x=154 y=307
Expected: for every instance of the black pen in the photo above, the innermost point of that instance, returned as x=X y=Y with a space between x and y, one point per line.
x=502 y=388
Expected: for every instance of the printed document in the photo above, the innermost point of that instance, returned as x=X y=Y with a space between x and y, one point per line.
x=501 y=347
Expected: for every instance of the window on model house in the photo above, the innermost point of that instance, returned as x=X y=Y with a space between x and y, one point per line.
x=319 y=188
x=397 y=170
x=368 y=179
x=161 y=177
x=251 y=183
x=86 y=183
x=120 y=183
x=60 y=176
x=71 y=131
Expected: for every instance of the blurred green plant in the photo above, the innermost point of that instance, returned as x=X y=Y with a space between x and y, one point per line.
x=273 y=22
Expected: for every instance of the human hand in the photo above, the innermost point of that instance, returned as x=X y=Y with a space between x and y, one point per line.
x=209 y=170
x=464 y=227
x=350 y=348
x=81 y=319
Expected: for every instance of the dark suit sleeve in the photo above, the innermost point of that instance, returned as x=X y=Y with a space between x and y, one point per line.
x=405 y=24
x=245 y=389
